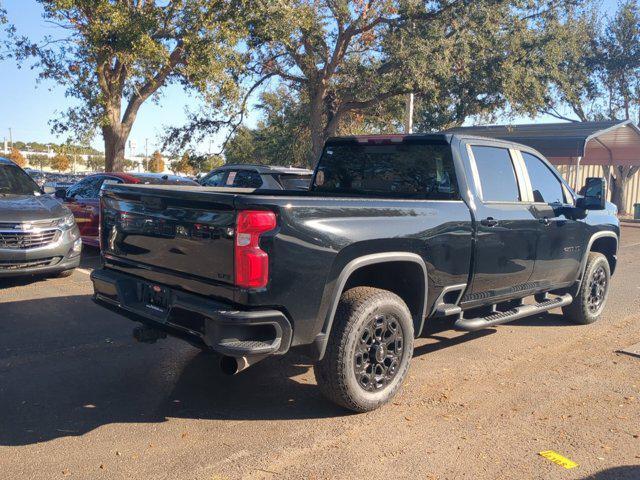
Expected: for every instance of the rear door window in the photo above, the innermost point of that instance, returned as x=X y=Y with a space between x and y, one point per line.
x=546 y=186
x=497 y=174
x=411 y=170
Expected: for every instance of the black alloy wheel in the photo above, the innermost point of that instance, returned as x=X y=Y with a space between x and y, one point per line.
x=379 y=352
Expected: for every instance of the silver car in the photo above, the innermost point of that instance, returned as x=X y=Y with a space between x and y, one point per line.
x=38 y=235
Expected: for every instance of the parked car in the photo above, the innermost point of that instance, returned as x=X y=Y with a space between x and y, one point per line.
x=37 y=234
x=263 y=177
x=395 y=231
x=83 y=197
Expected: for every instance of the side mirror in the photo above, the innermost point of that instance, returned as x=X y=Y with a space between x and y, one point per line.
x=594 y=194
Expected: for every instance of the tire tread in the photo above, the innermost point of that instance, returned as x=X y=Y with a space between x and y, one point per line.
x=331 y=371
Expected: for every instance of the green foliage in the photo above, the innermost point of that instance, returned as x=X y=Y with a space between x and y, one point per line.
x=597 y=77
x=130 y=165
x=116 y=54
x=348 y=61
x=205 y=163
x=46 y=147
x=280 y=138
x=95 y=163
x=39 y=160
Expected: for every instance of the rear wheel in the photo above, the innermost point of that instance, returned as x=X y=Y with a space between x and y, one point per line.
x=368 y=351
x=591 y=298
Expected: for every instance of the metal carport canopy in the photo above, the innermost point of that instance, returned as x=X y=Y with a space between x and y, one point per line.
x=572 y=143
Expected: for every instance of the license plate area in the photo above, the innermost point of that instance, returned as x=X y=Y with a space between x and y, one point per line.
x=154 y=297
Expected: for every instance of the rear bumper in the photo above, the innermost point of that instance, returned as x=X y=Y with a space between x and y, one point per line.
x=200 y=321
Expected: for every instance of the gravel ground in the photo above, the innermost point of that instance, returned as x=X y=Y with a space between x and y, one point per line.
x=79 y=399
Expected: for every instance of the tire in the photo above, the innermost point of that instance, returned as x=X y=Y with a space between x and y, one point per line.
x=364 y=317
x=591 y=297
x=64 y=273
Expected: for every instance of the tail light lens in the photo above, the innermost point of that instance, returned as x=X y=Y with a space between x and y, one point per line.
x=251 y=262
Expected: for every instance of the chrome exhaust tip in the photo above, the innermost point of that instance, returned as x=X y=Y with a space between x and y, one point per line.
x=234 y=365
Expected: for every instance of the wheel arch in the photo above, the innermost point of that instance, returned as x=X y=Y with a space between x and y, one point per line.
x=605 y=243
x=382 y=270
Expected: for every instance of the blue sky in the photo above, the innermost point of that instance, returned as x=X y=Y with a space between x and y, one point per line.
x=26 y=106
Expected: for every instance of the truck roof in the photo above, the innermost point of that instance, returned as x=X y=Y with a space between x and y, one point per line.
x=266 y=168
x=444 y=137
x=392 y=138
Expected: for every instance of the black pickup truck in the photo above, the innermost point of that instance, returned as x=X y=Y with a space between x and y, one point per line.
x=394 y=231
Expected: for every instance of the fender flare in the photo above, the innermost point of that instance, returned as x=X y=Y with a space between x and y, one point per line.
x=592 y=240
x=376 y=258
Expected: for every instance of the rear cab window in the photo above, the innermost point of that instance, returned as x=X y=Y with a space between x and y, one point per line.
x=405 y=170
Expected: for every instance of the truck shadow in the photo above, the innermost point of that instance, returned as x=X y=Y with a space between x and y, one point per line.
x=433 y=330
x=68 y=367
x=627 y=472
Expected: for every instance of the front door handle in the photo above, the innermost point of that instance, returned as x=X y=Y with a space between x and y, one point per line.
x=489 y=222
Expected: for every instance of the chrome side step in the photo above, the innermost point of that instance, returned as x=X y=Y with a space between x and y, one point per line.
x=473 y=324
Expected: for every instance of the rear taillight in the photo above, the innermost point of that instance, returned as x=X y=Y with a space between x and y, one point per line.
x=252 y=263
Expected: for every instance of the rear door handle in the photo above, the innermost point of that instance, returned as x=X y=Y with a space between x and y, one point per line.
x=489 y=222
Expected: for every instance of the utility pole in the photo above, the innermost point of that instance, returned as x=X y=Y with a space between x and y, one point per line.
x=146 y=152
x=408 y=114
x=10 y=137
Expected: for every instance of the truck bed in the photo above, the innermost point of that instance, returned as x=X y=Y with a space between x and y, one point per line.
x=183 y=237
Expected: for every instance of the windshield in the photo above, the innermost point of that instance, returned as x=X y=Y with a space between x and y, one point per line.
x=408 y=170
x=14 y=181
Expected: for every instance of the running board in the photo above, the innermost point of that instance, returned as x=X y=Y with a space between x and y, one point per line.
x=473 y=324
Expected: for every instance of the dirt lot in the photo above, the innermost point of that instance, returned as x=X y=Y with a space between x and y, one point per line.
x=79 y=399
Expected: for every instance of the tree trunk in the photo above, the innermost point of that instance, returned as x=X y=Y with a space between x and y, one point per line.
x=115 y=140
x=618 y=186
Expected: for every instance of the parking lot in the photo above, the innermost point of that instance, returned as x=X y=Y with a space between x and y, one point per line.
x=80 y=399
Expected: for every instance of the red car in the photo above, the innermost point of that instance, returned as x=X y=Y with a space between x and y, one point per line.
x=83 y=197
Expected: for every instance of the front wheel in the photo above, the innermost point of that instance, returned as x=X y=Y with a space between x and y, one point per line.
x=368 y=351
x=591 y=298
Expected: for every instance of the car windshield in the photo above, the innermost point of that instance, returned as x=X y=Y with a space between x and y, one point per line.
x=15 y=181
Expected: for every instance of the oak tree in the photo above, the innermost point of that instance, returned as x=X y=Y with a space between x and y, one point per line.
x=114 y=55
x=599 y=79
x=347 y=58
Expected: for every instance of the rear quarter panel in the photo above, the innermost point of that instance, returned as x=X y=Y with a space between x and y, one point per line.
x=317 y=237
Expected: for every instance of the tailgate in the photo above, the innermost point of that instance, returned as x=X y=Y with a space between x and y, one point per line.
x=188 y=231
